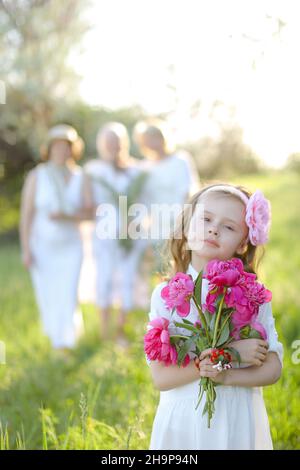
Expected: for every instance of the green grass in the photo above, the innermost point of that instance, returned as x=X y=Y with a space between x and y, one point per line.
x=103 y=398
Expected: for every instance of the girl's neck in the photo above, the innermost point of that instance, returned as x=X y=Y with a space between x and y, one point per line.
x=198 y=262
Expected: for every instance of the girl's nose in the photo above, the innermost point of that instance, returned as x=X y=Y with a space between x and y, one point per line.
x=213 y=230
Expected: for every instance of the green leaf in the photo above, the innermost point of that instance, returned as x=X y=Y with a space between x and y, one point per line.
x=205 y=409
x=212 y=322
x=254 y=334
x=184 y=349
x=187 y=327
x=198 y=289
x=227 y=310
x=224 y=335
x=218 y=301
x=245 y=332
x=174 y=340
x=187 y=322
x=235 y=354
x=201 y=344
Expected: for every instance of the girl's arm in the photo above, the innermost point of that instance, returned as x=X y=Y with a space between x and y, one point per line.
x=26 y=216
x=168 y=377
x=254 y=376
x=252 y=351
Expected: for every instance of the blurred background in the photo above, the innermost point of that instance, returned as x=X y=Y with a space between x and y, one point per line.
x=225 y=75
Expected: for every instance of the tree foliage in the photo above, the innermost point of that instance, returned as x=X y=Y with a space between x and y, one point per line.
x=36 y=38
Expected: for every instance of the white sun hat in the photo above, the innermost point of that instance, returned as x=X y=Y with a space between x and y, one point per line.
x=63 y=131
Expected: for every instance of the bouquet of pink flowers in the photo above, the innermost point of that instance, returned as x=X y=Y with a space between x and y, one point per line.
x=229 y=313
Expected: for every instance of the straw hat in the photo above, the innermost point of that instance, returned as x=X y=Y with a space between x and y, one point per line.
x=63 y=132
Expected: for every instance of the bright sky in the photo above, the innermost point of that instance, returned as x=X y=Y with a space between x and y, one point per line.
x=141 y=51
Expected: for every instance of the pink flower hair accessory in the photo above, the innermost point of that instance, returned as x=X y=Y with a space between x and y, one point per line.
x=258 y=218
x=258 y=212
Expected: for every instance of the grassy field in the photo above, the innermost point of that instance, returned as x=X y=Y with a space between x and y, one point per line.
x=103 y=398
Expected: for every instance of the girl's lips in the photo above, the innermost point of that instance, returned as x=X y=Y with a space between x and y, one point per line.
x=212 y=243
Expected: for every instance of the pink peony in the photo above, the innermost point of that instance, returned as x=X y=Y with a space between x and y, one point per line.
x=258 y=215
x=221 y=274
x=157 y=345
x=178 y=292
x=210 y=303
x=224 y=273
x=246 y=300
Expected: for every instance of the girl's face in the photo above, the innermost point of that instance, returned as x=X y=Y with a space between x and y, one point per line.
x=221 y=230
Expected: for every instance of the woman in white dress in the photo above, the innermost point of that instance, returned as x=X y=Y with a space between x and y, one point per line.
x=172 y=178
x=240 y=420
x=114 y=174
x=54 y=199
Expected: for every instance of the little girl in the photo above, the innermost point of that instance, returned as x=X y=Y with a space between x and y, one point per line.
x=240 y=420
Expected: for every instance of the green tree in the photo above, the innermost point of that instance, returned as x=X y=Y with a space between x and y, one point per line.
x=36 y=38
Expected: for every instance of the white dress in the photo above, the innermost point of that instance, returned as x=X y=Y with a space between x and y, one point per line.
x=171 y=179
x=57 y=254
x=116 y=269
x=240 y=420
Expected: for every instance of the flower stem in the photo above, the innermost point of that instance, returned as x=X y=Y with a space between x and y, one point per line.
x=202 y=317
x=179 y=336
x=218 y=320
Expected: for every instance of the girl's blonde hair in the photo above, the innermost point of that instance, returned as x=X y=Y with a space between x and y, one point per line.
x=176 y=247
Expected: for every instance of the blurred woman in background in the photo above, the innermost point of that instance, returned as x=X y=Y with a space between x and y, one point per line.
x=115 y=173
x=172 y=179
x=55 y=198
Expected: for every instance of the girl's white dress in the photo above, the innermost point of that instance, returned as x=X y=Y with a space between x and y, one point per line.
x=57 y=254
x=240 y=420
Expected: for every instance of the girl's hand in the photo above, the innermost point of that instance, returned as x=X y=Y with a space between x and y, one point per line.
x=206 y=368
x=252 y=351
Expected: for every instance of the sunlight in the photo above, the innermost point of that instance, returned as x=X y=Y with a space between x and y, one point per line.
x=166 y=56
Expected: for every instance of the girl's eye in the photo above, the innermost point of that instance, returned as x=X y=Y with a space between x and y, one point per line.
x=229 y=228
x=206 y=219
